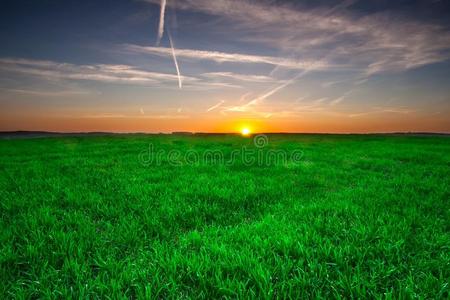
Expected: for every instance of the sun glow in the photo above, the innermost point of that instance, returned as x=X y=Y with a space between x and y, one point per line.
x=245 y=131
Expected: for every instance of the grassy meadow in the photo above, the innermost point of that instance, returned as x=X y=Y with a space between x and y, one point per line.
x=352 y=217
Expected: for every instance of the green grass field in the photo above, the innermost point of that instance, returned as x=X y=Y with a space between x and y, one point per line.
x=356 y=216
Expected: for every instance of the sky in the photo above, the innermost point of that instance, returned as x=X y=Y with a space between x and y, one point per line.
x=344 y=66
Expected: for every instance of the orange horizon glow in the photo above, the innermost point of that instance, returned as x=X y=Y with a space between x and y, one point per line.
x=307 y=124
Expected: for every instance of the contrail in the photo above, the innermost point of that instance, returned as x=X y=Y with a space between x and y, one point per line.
x=180 y=83
x=285 y=84
x=276 y=89
x=161 y=22
x=215 y=106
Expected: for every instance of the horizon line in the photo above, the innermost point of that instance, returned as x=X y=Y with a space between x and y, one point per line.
x=25 y=132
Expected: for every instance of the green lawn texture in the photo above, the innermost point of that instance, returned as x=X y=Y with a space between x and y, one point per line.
x=359 y=216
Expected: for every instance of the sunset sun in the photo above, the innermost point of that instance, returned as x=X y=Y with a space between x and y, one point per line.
x=245 y=131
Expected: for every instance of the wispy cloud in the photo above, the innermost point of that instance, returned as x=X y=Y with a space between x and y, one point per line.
x=285 y=109
x=134 y=116
x=378 y=110
x=114 y=74
x=98 y=72
x=48 y=93
x=362 y=41
x=221 y=57
x=239 y=77
x=104 y=116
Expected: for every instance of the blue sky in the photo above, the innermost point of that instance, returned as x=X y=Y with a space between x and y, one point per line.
x=314 y=66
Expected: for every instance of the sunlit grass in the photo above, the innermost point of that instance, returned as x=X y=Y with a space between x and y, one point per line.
x=358 y=217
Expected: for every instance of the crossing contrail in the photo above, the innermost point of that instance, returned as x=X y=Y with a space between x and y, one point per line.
x=180 y=83
x=161 y=22
x=215 y=106
x=276 y=89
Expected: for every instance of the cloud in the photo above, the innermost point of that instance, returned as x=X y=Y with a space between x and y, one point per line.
x=206 y=86
x=265 y=110
x=97 y=72
x=133 y=116
x=239 y=77
x=115 y=74
x=221 y=57
x=378 y=110
x=50 y=93
x=372 y=43
x=104 y=116
x=286 y=109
